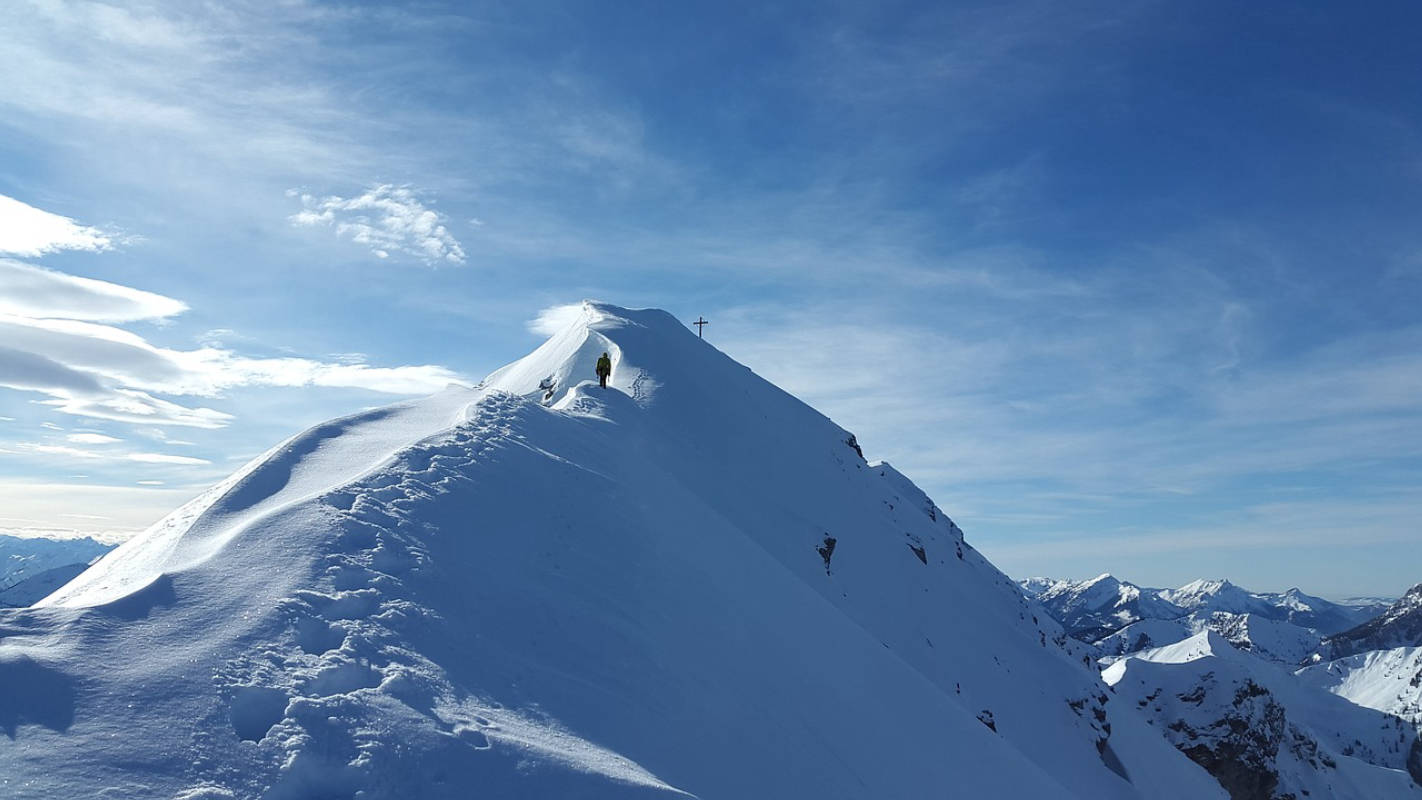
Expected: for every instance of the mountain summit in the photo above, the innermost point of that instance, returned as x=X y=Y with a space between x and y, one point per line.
x=686 y=584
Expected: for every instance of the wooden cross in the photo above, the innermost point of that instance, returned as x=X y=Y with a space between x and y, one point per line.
x=699 y=323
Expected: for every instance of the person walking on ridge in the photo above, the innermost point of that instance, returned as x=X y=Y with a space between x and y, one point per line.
x=604 y=368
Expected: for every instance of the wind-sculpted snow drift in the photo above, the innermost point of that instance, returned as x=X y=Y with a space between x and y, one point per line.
x=689 y=583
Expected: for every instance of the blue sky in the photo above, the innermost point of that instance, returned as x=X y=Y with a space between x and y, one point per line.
x=1127 y=287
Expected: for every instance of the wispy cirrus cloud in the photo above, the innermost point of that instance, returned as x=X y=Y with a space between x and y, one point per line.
x=1033 y=413
x=105 y=372
x=386 y=219
x=92 y=438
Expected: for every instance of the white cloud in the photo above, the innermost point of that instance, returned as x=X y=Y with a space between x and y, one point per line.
x=386 y=219
x=165 y=458
x=91 y=369
x=31 y=291
x=160 y=435
x=92 y=438
x=129 y=405
x=28 y=231
x=555 y=319
x=75 y=452
x=1129 y=402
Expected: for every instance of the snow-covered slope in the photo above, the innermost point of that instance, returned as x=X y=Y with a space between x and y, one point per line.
x=1398 y=626
x=1264 y=734
x=1216 y=594
x=687 y=583
x=1034 y=587
x=1144 y=635
x=1316 y=614
x=1387 y=680
x=1283 y=643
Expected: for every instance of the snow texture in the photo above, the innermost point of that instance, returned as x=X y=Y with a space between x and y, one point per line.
x=1387 y=680
x=539 y=588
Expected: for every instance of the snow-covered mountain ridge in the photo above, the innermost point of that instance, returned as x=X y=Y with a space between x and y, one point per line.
x=23 y=558
x=1119 y=617
x=1203 y=596
x=1096 y=607
x=1399 y=625
x=1386 y=680
x=1263 y=733
x=689 y=583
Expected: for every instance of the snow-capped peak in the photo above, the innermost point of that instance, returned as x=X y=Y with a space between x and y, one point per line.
x=1399 y=625
x=687 y=582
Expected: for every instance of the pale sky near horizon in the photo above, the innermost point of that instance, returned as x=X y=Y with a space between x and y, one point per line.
x=1126 y=287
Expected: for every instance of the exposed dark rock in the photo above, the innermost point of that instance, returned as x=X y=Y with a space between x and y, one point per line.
x=826 y=551
x=854 y=444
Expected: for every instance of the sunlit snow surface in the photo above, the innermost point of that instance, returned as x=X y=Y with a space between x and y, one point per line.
x=539 y=588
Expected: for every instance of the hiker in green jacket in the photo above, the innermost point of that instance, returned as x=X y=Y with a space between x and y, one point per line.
x=604 y=368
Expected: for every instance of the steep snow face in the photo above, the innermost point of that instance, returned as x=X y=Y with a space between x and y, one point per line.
x=1399 y=626
x=1387 y=680
x=1094 y=608
x=686 y=583
x=1143 y=635
x=1283 y=643
x=1261 y=732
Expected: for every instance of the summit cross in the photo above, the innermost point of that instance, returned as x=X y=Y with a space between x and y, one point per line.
x=700 y=323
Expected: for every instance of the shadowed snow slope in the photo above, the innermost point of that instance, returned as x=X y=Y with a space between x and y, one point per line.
x=686 y=583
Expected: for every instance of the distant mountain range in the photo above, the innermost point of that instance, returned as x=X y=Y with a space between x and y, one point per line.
x=1120 y=617
x=32 y=567
x=1210 y=664
x=1398 y=625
